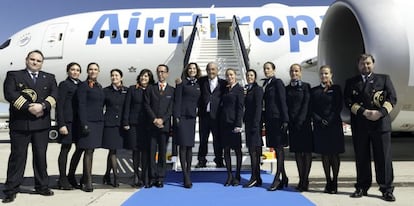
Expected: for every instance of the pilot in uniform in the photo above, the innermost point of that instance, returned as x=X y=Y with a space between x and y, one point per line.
x=159 y=98
x=31 y=94
x=371 y=97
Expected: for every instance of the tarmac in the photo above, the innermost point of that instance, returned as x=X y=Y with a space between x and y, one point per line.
x=107 y=195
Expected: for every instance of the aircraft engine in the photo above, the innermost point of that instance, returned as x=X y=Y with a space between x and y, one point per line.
x=381 y=28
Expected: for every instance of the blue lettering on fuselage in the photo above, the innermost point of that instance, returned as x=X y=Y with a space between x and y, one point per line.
x=107 y=24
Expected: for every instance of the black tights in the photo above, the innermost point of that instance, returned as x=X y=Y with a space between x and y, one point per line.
x=63 y=160
x=328 y=162
x=87 y=167
x=111 y=163
x=186 y=156
x=227 y=160
x=255 y=155
x=304 y=163
x=280 y=156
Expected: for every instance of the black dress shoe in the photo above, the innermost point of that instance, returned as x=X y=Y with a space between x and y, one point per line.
x=228 y=182
x=275 y=185
x=63 y=184
x=388 y=196
x=150 y=184
x=359 y=193
x=201 y=164
x=72 y=181
x=159 y=184
x=45 y=192
x=250 y=183
x=219 y=163
x=9 y=198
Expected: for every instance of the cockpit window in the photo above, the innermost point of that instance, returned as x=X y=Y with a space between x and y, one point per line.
x=5 y=44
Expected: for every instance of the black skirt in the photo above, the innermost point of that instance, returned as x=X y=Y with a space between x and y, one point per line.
x=94 y=138
x=274 y=136
x=229 y=138
x=113 y=138
x=73 y=134
x=137 y=138
x=185 y=132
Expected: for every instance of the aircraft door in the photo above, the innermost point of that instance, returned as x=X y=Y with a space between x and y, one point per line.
x=224 y=29
x=52 y=45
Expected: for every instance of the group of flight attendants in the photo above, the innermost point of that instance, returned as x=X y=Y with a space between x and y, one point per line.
x=143 y=116
x=138 y=118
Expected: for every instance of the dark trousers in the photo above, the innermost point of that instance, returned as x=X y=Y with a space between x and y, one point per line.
x=158 y=144
x=381 y=148
x=19 y=142
x=207 y=125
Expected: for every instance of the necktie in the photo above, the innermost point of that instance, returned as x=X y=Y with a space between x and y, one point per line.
x=34 y=77
x=162 y=87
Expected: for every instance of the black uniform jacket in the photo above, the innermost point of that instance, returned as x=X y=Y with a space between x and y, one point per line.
x=159 y=105
x=67 y=105
x=20 y=91
x=187 y=95
x=232 y=105
x=275 y=100
x=134 y=110
x=360 y=96
x=90 y=103
x=114 y=105
x=253 y=106
x=212 y=97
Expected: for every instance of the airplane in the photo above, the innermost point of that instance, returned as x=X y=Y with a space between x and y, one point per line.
x=242 y=38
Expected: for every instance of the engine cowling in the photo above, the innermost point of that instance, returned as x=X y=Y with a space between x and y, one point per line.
x=378 y=27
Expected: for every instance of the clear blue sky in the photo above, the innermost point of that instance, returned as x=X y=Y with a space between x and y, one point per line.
x=18 y=14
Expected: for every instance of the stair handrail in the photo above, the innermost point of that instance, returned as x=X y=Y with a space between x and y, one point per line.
x=191 y=42
x=238 y=37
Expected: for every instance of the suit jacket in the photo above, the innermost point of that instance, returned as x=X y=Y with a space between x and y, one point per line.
x=326 y=105
x=20 y=91
x=159 y=105
x=232 y=104
x=275 y=100
x=253 y=103
x=67 y=105
x=298 y=99
x=114 y=105
x=134 y=110
x=90 y=103
x=213 y=97
x=359 y=96
x=187 y=95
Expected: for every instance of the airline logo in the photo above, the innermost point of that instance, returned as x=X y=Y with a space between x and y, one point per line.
x=108 y=23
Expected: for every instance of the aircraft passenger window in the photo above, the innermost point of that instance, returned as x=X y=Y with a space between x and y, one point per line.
x=281 y=32
x=293 y=31
x=269 y=32
x=90 y=34
x=305 y=31
x=5 y=44
x=162 y=33
x=126 y=33
x=113 y=34
x=317 y=30
x=150 y=33
x=174 y=33
x=137 y=33
x=102 y=34
x=257 y=32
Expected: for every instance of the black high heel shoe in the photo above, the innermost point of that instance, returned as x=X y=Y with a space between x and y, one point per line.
x=275 y=185
x=63 y=184
x=334 y=188
x=72 y=181
x=251 y=183
x=86 y=187
x=284 y=183
x=116 y=183
x=229 y=181
x=328 y=187
x=106 y=180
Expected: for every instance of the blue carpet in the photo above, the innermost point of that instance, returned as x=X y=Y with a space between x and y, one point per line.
x=208 y=190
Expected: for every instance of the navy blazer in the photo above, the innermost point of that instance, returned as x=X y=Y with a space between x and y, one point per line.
x=213 y=97
x=253 y=103
x=275 y=100
x=159 y=105
x=298 y=110
x=232 y=104
x=134 y=110
x=326 y=105
x=357 y=93
x=90 y=103
x=16 y=92
x=187 y=95
x=67 y=103
x=114 y=105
